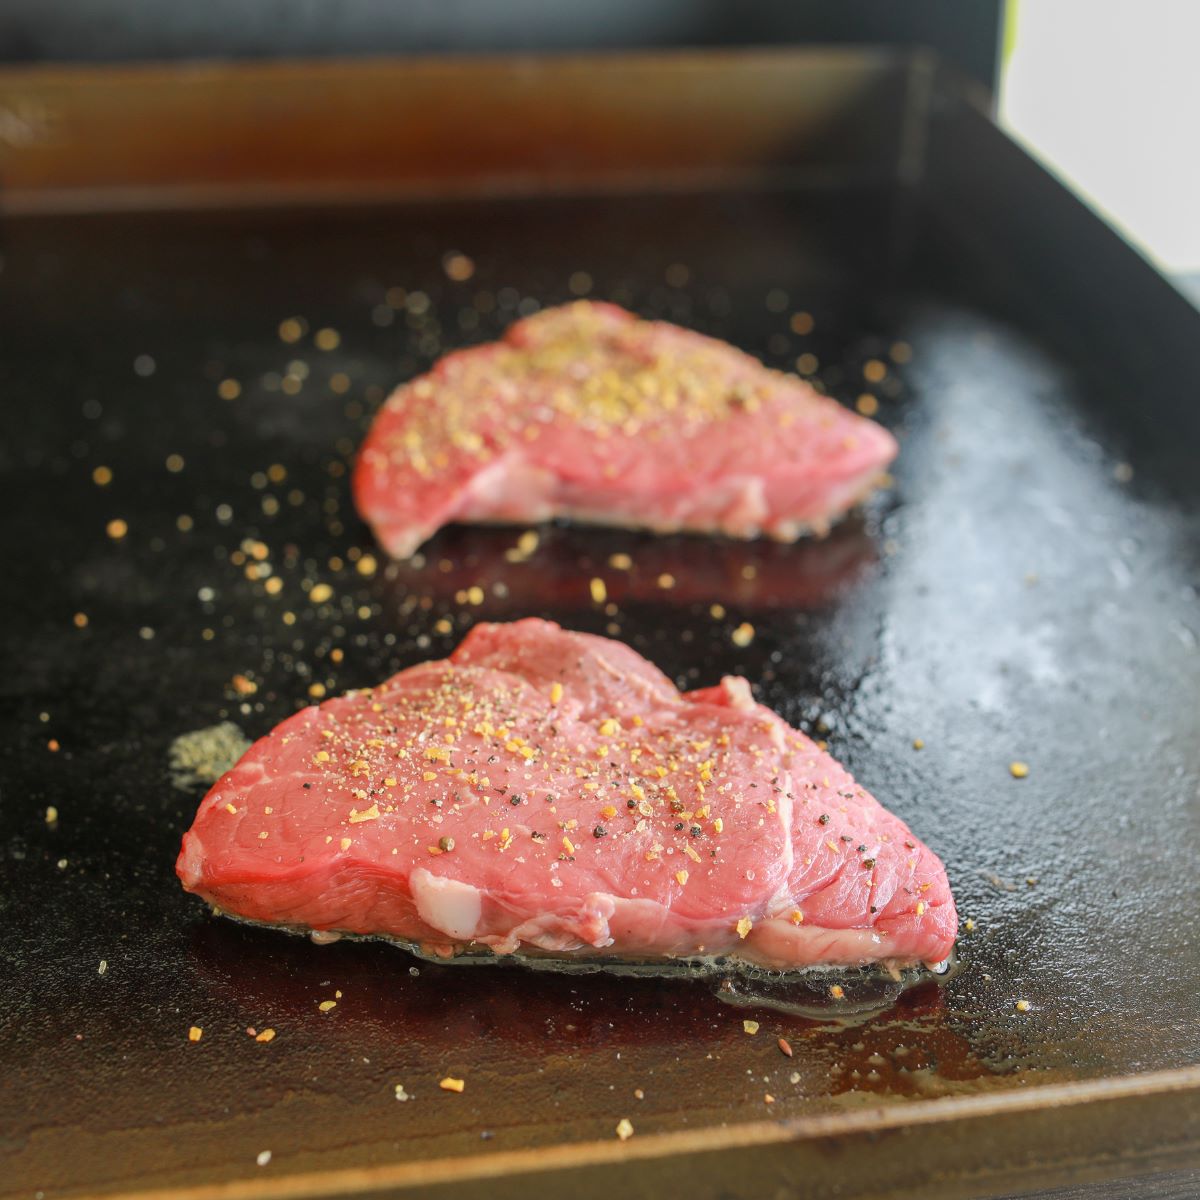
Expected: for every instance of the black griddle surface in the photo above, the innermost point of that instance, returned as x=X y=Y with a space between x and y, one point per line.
x=1024 y=593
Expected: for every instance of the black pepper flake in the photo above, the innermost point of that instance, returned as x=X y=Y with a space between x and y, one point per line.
x=868 y=863
x=599 y=831
x=861 y=849
x=307 y=785
x=695 y=831
x=823 y=819
x=436 y=802
x=910 y=845
x=515 y=799
x=678 y=825
x=446 y=844
x=631 y=804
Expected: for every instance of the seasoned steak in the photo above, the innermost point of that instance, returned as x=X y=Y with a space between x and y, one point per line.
x=552 y=792
x=586 y=412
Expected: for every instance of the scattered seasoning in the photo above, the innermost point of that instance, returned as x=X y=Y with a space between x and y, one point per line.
x=326 y=1005
x=743 y=635
x=620 y=562
x=556 y=692
x=316 y=690
x=837 y=991
x=320 y=593
x=264 y=1157
x=969 y=924
x=681 y=877
x=195 y=1033
x=80 y=620
x=401 y=1094
x=446 y=844
x=116 y=529
x=458 y=267
x=743 y=927
x=1023 y=1006
x=53 y=746
x=102 y=476
x=368 y=564
x=750 y=1027
x=624 y=1129
x=291 y=329
x=599 y=591
x=1018 y=770
x=243 y=686
x=785 y=1047
x=666 y=581
x=327 y=339
x=102 y=967
x=229 y=389
x=51 y=815
x=267 y=1035
x=450 y=1084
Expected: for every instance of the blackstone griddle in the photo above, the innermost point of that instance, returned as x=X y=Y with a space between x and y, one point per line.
x=1025 y=592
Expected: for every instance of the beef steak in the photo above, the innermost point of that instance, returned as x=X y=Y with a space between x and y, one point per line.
x=586 y=412
x=543 y=791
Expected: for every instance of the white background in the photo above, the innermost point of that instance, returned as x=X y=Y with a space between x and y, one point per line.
x=1108 y=93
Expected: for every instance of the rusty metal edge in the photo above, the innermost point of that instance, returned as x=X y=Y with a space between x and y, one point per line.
x=154 y=136
x=198 y=198
x=965 y=1146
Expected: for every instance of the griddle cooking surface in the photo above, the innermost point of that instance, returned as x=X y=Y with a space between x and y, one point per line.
x=1016 y=597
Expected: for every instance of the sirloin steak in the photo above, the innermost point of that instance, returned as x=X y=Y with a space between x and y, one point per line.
x=553 y=793
x=585 y=411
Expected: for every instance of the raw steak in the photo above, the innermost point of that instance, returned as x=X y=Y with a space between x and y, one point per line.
x=587 y=412
x=552 y=792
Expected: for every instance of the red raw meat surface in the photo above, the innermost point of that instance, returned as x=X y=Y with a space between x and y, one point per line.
x=553 y=792
x=587 y=412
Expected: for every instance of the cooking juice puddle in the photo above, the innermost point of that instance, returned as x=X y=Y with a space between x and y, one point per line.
x=846 y=994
